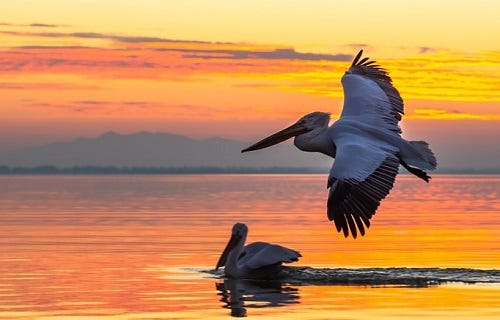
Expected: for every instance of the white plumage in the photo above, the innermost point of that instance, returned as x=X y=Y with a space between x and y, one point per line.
x=366 y=143
x=258 y=260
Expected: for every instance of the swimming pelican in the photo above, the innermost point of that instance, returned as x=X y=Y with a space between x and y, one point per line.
x=258 y=260
x=366 y=143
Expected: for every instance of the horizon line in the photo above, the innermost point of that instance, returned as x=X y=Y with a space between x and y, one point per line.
x=124 y=170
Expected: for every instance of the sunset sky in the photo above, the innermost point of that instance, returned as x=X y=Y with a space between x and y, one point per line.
x=243 y=69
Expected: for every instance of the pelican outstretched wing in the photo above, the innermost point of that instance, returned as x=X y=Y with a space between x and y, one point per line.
x=370 y=95
x=362 y=174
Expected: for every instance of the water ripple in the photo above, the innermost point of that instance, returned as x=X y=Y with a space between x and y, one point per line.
x=414 y=277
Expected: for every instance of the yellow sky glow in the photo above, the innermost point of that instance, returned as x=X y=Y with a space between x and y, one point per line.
x=135 y=62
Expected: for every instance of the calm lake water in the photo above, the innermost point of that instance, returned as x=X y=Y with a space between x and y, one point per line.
x=133 y=247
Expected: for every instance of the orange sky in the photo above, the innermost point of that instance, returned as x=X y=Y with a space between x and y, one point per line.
x=240 y=70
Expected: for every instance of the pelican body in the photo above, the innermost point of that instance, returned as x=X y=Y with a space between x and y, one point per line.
x=366 y=143
x=258 y=260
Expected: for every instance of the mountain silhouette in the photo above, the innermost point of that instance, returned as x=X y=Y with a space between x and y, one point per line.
x=147 y=149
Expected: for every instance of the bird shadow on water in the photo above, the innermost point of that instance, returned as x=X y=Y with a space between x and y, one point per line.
x=238 y=295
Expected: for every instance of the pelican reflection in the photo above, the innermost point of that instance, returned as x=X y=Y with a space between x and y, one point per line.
x=238 y=295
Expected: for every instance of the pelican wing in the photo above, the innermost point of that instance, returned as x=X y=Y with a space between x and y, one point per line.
x=370 y=95
x=261 y=254
x=362 y=175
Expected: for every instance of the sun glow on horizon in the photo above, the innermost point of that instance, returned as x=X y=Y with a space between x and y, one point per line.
x=145 y=74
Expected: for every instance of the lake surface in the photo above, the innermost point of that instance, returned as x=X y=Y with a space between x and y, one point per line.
x=134 y=247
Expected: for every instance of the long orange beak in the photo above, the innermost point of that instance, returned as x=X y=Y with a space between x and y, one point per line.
x=285 y=134
x=233 y=241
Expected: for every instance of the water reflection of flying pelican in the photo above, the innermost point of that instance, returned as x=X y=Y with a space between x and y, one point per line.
x=258 y=260
x=366 y=143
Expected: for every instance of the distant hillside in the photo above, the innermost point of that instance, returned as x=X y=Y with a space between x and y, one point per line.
x=146 y=149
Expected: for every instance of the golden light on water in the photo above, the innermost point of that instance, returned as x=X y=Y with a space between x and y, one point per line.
x=92 y=246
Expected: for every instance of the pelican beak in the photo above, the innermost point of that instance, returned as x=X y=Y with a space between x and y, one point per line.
x=285 y=134
x=229 y=247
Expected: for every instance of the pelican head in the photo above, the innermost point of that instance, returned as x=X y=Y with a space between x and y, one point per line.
x=238 y=237
x=309 y=122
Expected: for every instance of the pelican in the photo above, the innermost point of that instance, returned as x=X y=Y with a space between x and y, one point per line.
x=366 y=143
x=258 y=260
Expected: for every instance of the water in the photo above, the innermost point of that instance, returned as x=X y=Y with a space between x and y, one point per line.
x=135 y=247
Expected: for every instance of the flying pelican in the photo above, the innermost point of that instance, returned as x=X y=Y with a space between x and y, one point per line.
x=366 y=143
x=258 y=260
